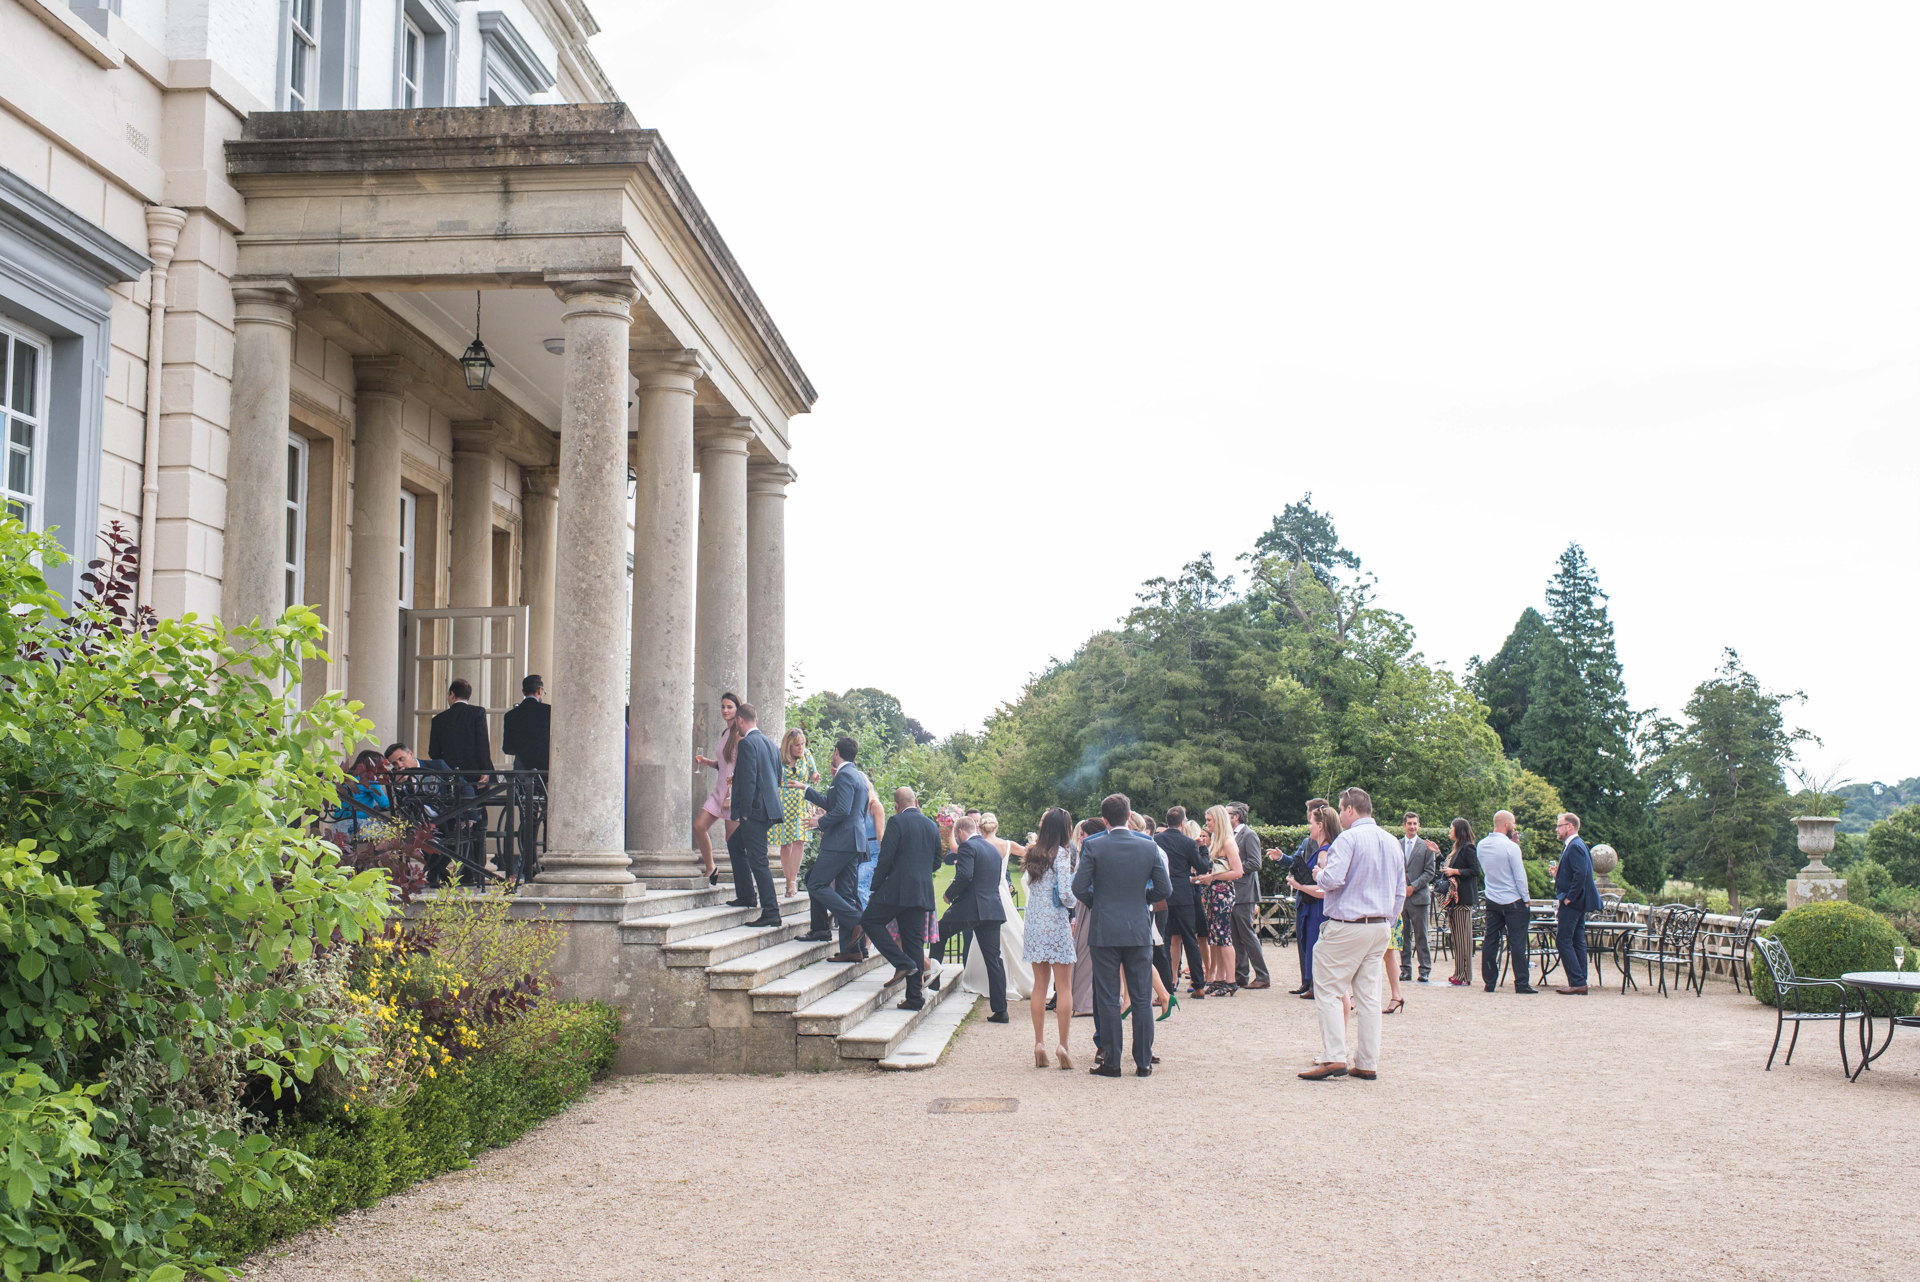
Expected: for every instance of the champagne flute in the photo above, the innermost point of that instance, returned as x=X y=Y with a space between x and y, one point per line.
x=1899 y=957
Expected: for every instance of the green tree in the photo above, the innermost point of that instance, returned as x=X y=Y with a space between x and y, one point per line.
x=1894 y=842
x=1727 y=811
x=1536 y=806
x=1504 y=681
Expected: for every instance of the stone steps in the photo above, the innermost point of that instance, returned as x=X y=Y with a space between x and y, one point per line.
x=810 y=984
x=923 y=1047
x=877 y=1036
x=659 y=902
x=761 y=966
x=736 y=941
x=671 y=927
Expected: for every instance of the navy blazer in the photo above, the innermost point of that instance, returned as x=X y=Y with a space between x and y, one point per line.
x=1185 y=860
x=459 y=737
x=1120 y=873
x=843 y=826
x=903 y=877
x=975 y=889
x=756 y=779
x=1573 y=884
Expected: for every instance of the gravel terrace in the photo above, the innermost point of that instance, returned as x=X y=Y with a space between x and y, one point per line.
x=1508 y=1136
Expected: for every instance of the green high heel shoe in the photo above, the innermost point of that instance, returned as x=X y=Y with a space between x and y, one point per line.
x=1128 y=1011
x=1173 y=999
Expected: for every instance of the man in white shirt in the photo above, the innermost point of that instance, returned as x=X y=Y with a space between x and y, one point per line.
x=1505 y=879
x=1366 y=884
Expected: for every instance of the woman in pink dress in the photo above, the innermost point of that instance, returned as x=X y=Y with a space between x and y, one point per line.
x=720 y=799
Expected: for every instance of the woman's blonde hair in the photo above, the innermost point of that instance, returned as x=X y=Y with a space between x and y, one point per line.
x=787 y=741
x=989 y=824
x=1222 y=831
x=1192 y=828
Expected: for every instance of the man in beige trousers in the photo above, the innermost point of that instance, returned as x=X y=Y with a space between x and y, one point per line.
x=1366 y=882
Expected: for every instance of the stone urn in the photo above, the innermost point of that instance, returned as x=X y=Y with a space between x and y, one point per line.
x=1605 y=860
x=1816 y=882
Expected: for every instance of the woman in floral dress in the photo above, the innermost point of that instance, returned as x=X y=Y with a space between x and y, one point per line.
x=796 y=772
x=1047 y=944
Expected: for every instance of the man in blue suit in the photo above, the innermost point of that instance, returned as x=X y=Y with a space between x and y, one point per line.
x=834 y=880
x=1121 y=875
x=756 y=806
x=1577 y=895
x=974 y=893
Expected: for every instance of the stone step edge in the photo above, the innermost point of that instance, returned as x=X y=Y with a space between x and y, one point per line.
x=880 y=1041
x=733 y=943
x=826 y=984
x=927 y=1045
x=731 y=976
x=672 y=928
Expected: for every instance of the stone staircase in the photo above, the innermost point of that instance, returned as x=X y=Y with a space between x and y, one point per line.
x=707 y=994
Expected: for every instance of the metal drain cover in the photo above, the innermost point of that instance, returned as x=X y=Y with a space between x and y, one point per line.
x=974 y=1106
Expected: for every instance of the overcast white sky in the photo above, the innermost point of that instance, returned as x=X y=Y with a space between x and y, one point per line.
x=1089 y=289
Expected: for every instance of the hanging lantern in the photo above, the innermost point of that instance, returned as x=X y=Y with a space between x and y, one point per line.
x=474 y=362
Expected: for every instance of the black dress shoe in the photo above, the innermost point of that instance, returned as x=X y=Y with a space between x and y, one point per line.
x=1051 y=1001
x=1143 y=1072
x=1406 y=977
x=742 y=903
x=1156 y=1059
x=1001 y=1018
x=911 y=1006
x=815 y=937
x=1528 y=989
x=1101 y=1070
x=765 y=923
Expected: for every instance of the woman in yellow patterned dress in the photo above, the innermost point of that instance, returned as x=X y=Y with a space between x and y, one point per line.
x=796 y=772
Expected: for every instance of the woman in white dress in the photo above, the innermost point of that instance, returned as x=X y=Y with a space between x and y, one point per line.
x=1012 y=931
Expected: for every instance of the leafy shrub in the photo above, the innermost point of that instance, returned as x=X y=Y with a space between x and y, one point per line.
x=1827 y=940
x=1539 y=882
x=1895 y=842
x=166 y=902
x=1867 y=878
x=542 y=1063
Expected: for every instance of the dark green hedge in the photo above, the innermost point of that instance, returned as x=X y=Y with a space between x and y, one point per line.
x=357 y=1160
x=1826 y=941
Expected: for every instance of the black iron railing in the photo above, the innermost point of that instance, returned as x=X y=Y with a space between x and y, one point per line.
x=488 y=825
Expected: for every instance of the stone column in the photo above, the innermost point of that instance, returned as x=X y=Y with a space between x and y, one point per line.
x=373 y=675
x=540 y=489
x=659 y=788
x=767 y=483
x=471 y=579
x=586 y=840
x=720 y=606
x=253 y=575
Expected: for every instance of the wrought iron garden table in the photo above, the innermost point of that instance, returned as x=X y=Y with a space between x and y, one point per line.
x=1880 y=986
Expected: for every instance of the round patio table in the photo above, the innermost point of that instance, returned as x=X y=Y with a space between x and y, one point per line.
x=1881 y=987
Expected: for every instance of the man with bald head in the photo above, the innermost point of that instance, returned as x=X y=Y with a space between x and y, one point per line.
x=902 y=893
x=1505 y=880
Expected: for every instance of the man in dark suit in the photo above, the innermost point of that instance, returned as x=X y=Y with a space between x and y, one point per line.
x=902 y=893
x=1419 y=853
x=974 y=893
x=1577 y=896
x=1184 y=861
x=835 y=878
x=459 y=737
x=756 y=809
x=527 y=729
x=1120 y=874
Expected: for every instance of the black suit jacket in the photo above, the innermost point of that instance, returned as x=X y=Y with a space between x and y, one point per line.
x=1184 y=859
x=460 y=739
x=526 y=733
x=975 y=889
x=909 y=852
x=756 y=779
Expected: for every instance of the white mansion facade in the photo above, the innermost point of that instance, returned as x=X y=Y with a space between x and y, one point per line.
x=242 y=248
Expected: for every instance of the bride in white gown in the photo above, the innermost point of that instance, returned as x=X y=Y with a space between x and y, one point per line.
x=1012 y=932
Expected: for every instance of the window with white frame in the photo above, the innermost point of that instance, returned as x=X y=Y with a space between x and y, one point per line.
x=413 y=53
x=23 y=402
x=296 y=520
x=409 y=510
x=303 y=54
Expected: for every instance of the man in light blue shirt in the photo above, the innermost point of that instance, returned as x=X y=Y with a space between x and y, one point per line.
x=1505 y=879
x=1365 y=878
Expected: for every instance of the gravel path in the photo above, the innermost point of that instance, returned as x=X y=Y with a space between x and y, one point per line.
x=1507 y=1136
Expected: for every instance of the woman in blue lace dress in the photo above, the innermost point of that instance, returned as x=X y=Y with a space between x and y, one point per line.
x=1047 y=945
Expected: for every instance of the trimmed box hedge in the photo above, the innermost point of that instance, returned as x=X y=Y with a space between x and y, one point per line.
x=535 y=1072
x=1827 y=940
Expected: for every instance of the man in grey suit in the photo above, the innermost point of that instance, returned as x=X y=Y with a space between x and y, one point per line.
x=1413 y=918
x=1249 y=961
x=974 y=893
x=834 y=880
x=1120 y=873
x=756 y=807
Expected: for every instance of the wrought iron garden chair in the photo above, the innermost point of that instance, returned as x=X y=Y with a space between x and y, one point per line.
x=1672 y=945
x=1609 y=906
x=1785 y=982
x=1740 y=964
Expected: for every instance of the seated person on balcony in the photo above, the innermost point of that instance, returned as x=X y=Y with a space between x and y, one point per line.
x=361 y=798
x=526 y=731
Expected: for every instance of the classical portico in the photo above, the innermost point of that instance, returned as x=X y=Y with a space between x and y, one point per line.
x=632 y=354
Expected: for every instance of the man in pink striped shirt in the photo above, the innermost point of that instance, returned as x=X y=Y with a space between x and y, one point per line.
x=1366 y=883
